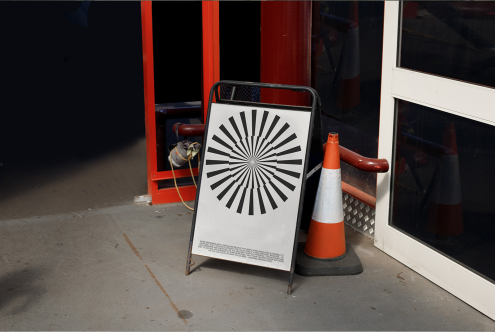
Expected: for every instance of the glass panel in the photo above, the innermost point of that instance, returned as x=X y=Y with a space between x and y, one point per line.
x=444 y=184
x=346 y=72
x=452 y=39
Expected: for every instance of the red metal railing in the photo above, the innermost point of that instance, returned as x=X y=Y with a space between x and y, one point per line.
x=370 y=165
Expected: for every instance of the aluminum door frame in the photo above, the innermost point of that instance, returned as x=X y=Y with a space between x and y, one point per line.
x=448 y=95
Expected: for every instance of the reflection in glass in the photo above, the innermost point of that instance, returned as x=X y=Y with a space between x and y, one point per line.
x=346 y=72
x=450 y=38
x=444 y=184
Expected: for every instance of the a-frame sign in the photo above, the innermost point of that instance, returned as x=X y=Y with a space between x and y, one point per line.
x=252 y=180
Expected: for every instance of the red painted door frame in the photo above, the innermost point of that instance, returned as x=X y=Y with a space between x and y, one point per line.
x=211 y=50
x=211 y=74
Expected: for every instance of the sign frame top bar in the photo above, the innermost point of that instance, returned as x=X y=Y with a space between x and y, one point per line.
x=295 y=88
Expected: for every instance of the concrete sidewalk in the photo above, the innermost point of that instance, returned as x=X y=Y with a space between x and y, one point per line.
x=122 y=268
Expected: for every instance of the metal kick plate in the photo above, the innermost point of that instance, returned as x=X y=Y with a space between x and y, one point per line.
x=358 y=215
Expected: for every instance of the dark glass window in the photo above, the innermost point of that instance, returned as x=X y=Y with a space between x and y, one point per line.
x=346 y=72
x=452 y=39
x=444 y=184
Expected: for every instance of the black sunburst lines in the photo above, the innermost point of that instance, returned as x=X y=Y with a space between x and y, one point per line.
x=263 y=122
x=254 y=162
x=234 y=125
x=222 y=142
x=283 y=153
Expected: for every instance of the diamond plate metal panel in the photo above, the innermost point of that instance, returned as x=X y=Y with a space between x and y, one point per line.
x=358 y=215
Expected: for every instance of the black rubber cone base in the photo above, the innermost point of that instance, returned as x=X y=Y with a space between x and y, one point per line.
x=347 y=265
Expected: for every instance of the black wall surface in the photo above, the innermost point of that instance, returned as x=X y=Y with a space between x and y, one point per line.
x=240 y=23
x=69 y=86
x=71 y=81
x=177 y=48
x=177 y=42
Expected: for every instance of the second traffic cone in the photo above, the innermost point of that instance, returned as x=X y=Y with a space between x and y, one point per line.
x=445 y=214
x=325 y=251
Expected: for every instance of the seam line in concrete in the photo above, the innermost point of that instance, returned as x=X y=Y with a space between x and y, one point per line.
x=126 y=238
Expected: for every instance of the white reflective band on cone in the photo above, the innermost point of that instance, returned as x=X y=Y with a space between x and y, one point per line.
x=328 y=204
x=447 y=187
x=350 y=65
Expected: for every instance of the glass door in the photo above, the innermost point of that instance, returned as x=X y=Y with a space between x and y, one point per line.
x=435 y=208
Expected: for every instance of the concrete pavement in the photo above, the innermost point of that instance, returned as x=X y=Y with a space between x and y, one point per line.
x=122 y=268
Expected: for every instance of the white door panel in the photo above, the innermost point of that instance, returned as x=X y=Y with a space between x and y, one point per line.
x=463 y=99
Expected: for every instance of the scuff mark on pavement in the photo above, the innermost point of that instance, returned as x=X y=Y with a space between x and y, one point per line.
x=126 y=238
x=403 y=281
x=7 y=262
x=77 y=214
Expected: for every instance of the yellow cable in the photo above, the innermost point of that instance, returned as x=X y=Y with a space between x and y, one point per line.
x=192 y=175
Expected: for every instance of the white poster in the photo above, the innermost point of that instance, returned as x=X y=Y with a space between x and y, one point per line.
x=251 y=185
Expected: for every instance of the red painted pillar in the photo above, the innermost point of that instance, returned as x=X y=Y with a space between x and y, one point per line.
x=211 y=50
x=149 y=93
x=286 y=50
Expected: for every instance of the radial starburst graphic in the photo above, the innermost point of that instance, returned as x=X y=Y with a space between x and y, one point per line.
x=253 y=166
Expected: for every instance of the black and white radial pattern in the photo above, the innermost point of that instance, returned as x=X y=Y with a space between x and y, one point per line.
x=256 y=157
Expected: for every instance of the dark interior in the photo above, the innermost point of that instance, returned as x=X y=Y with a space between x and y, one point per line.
x=72 y=83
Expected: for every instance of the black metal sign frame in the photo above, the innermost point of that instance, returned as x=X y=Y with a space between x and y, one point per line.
x=314 y=109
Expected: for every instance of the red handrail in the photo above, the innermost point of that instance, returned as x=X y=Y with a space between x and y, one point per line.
x=370 y=165
x=190 y=129
x=365 y=164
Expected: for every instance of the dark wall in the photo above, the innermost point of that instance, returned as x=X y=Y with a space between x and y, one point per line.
x=177 y=42
x=69 y=87
x=72 y=84
x=240 y=23
x=177 y=48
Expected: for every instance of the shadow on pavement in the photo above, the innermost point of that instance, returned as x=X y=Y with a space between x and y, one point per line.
x=20 y=289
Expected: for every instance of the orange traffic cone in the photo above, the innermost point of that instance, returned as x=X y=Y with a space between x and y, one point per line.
x=326 y=236
x=349 y=86
x=445 y=214
x=325 y=252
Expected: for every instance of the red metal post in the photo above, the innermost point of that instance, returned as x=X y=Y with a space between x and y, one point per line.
x=211 y=74
x=285 y=50
x=211 y=50
x=149 y=93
